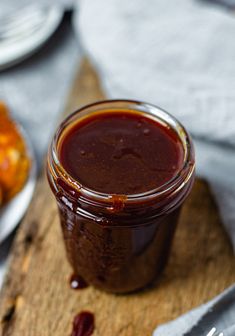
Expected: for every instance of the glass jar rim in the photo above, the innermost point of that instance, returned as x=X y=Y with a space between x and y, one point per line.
x=156 y=113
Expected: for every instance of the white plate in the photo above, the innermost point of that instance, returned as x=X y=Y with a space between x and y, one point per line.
x=13 y=211
x=14 y=52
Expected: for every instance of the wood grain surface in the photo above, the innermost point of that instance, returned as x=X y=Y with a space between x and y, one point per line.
x=36 y=299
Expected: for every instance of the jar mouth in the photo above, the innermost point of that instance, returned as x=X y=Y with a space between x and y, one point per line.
x=173 y=185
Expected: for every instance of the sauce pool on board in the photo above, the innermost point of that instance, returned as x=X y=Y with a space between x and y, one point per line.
x=121 y=153
x=83 y=324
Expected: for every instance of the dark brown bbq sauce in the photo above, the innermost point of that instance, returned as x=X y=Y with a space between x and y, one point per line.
x=121 y=242
x=121 y=153
x=77 y=282
x=83 y=324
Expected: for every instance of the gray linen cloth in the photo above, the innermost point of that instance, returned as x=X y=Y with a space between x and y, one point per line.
x=179 y=55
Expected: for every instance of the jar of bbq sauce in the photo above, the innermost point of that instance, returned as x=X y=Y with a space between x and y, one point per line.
x=120 y=171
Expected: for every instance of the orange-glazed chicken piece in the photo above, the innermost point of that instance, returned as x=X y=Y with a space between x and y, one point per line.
x=14 y=161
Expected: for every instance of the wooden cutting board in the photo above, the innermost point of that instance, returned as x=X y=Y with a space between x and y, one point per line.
x=36 y=299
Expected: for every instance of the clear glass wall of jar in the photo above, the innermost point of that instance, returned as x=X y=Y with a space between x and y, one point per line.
x=119 y=243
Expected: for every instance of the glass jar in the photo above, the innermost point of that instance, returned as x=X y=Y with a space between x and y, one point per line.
x=119 y=243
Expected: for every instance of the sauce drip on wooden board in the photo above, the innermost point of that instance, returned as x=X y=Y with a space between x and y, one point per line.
x=77 y=282
x=83 y=324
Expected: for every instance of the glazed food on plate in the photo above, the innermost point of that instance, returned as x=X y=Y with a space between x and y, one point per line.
x=14 y=159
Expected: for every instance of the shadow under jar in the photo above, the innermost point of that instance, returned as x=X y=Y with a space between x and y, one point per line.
x=120 y=171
